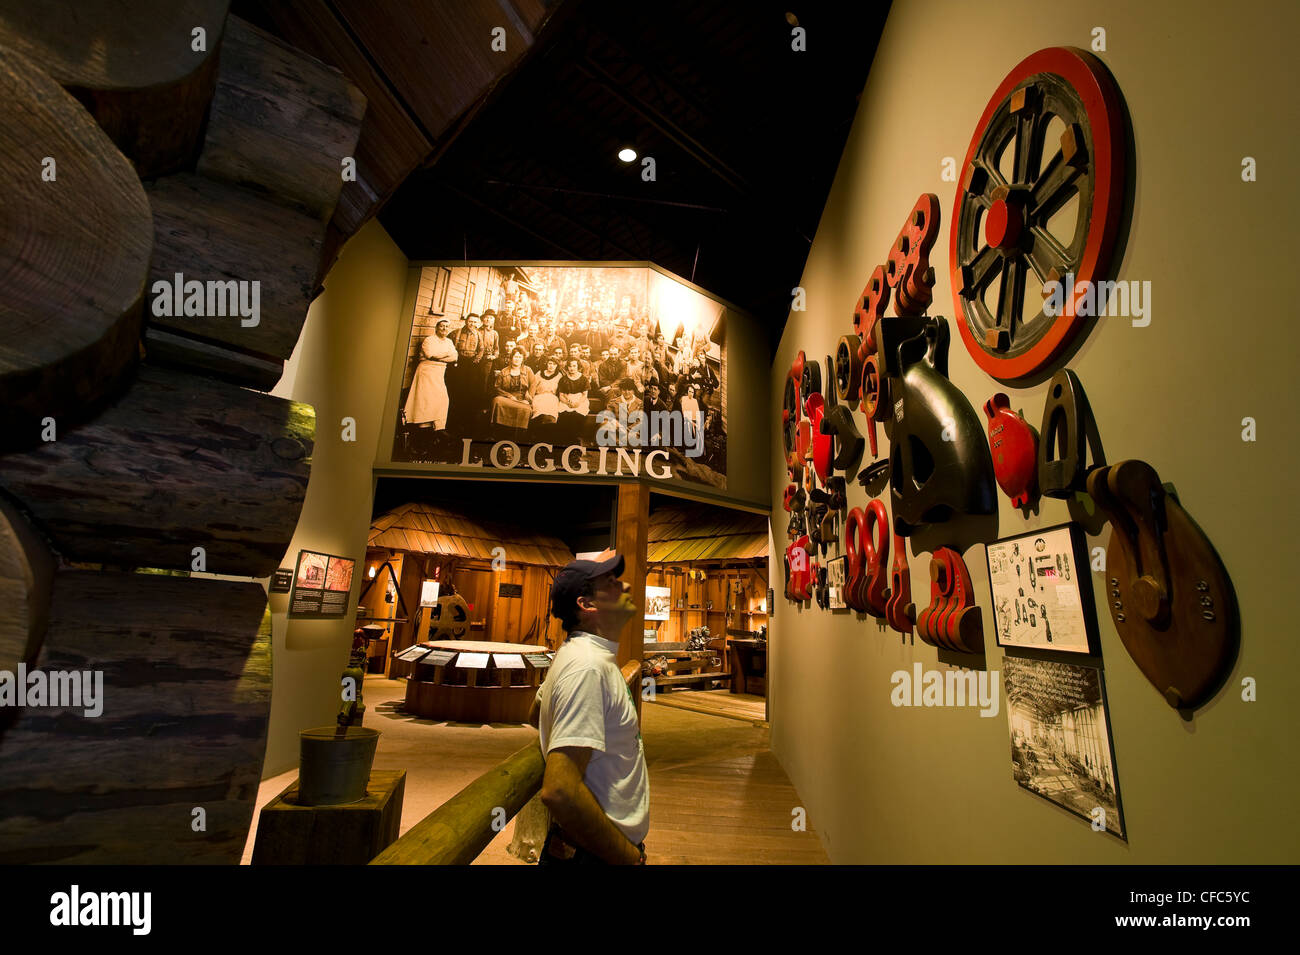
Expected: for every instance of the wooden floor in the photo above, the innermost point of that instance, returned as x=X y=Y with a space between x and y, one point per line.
x=717 y=795
x=732 y=706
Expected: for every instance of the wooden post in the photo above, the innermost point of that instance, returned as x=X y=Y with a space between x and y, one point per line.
x=631 y=538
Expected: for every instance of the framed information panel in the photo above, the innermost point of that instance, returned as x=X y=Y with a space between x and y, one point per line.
x=321 y=585
x=1042 y=591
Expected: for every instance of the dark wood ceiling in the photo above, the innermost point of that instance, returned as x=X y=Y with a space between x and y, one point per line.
x=470 y=153
x=746 y=135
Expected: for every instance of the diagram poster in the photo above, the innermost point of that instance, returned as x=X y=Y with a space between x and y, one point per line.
x=1042 y=595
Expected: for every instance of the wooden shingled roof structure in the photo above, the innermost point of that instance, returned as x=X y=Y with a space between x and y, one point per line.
x=695 y=532
x=430 y=529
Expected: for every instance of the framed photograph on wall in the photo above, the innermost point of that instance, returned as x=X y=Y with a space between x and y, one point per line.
x=658 y=601
x=836 y=568
x=1042 y=591
x=1061 y=745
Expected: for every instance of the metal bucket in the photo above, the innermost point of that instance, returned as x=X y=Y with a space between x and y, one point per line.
x=334 y=768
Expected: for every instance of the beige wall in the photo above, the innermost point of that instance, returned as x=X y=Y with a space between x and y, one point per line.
x=1206 y=84
x=341 y=367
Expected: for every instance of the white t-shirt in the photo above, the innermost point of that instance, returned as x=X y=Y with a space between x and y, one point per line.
x=584 y=702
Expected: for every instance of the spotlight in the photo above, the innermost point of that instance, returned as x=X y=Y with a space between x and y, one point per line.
x=627 y=154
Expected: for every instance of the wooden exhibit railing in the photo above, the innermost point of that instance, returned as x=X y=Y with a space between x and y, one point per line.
x=458 y=830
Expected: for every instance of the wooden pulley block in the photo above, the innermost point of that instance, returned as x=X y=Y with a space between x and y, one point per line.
x=952 y=620
x=1067 y=432
x=848 y=370
x=787 y=499
x=1170 y=597
x=1015 y=450
x=449 y=618
x=899 y=610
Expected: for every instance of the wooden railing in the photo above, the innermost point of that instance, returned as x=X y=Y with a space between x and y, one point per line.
x=458 y=830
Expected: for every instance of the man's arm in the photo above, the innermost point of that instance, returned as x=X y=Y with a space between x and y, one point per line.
x=576 y=810
x=535 y=711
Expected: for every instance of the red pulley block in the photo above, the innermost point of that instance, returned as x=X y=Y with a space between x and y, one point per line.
x=799 y=564
x=877 y=593
x=1015 y=450
x=822 y=444
x=900 y=611
x=871 y=308
x=952 y=620
x=908 y=270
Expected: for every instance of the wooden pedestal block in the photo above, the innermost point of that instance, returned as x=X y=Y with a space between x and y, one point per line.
x=290 y=834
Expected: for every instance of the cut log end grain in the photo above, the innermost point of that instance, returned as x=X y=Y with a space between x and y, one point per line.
x=75 y=243
x=142 y=68
x=26 y=578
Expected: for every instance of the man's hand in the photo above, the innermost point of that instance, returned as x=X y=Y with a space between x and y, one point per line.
x=576 y=810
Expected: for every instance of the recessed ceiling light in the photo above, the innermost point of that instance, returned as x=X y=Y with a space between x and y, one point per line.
x=627 y=154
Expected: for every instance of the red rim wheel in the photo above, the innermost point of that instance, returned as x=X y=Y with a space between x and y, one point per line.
x=1040 y=196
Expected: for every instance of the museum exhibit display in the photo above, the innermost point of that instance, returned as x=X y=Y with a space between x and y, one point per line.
x=1170 y=597
x=348 y=348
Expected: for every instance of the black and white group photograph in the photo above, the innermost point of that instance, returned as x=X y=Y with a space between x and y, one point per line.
x=584 y=358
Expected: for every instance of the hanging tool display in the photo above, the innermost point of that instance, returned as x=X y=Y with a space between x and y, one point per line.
x=1018 y=252
x=848 y=440
x=823 y=442
x=866 y=542
x=952 y=620
x=908 y=270
x=899 y=609
x=939 y=463
x=1014 y=446
x=800 y=570
x=848 y=370
x=1068 y=429
x=1170 y=597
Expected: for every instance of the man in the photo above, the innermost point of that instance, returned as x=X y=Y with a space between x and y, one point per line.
x=595 y=784
x=506 y=323
x=610 y=372
x=491 y=351
x=464 y=386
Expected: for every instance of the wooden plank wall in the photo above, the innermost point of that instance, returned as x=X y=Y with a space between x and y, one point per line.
x=677 y=628
x=487 y=281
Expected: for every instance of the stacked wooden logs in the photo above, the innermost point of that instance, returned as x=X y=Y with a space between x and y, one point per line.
x=130 y=438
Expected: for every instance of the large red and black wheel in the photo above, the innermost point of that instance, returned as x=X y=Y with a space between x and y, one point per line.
x=1040 y=198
